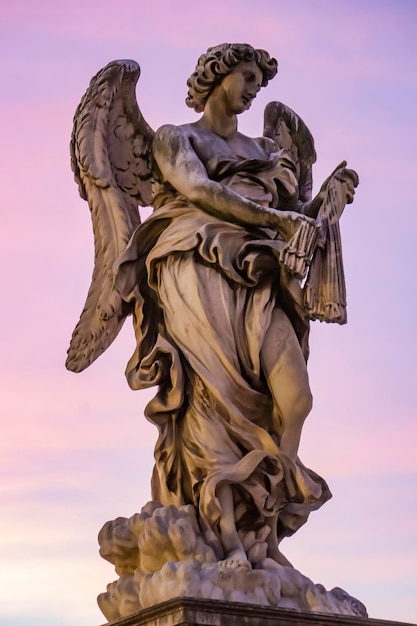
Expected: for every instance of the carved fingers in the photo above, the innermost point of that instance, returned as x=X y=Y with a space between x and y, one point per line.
x=351 y=179
x=344 y=175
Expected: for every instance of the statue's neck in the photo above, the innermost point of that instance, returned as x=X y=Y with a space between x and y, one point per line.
x=217 y=120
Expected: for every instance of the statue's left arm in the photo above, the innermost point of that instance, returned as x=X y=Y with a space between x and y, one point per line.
x=290 y=133
x=341 y=173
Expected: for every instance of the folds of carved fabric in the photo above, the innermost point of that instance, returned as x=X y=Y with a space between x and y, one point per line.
x=325 y=289
x=224 y=434
x=216 y=284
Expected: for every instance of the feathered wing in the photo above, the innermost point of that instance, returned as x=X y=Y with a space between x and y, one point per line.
x=110 y=156
x=318 y=252
x=289 y=131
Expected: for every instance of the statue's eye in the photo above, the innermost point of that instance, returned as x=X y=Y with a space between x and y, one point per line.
x=249 y=76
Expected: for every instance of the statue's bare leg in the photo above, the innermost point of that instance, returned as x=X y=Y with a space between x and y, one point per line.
x=235 y=555
x=285 y=370
x=273 y=551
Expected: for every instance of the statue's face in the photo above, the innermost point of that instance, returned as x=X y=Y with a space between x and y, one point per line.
x=240 y=87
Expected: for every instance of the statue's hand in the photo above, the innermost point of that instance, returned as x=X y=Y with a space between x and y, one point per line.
x=351 y=178
x=288 y=222
x=344 y=175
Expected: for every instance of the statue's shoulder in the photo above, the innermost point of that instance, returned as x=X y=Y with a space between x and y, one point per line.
x=172 y=137
x=171 y=131
x=267 y=144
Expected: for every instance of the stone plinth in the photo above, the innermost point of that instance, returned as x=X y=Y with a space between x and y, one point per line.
x=189 y=612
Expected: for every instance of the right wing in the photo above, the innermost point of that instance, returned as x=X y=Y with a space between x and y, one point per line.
x=111 y=147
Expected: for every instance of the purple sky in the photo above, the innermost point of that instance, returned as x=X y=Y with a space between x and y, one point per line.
x=76 y=449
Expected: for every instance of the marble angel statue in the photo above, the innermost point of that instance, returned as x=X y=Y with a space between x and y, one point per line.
x=222 y=281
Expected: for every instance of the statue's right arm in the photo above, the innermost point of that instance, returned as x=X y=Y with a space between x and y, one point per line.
x=181 y=167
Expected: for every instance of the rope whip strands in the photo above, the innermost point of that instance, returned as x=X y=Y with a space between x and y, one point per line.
x=319 y=251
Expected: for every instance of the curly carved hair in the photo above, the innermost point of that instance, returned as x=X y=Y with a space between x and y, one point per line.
x=219 y=61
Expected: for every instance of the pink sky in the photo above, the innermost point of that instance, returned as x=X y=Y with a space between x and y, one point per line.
x=76 y=449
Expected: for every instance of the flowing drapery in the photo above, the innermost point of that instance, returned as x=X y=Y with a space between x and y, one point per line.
x=204 y=291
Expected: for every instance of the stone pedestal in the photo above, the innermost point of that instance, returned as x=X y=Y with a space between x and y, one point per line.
x=190 y=612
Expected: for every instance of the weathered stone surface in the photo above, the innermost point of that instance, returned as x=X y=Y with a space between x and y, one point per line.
x=188 y=612
x=161 y=554
x=214 y=280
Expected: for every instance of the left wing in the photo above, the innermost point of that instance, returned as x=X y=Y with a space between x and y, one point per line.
x=312 y=250
x=289 y=132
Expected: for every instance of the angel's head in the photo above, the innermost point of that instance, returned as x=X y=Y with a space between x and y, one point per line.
x=218 y=62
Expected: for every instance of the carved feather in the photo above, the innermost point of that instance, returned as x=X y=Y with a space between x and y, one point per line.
x=110 y=156
x=289 y=131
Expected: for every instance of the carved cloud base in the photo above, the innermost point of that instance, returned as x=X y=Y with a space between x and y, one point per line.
x=161 y=554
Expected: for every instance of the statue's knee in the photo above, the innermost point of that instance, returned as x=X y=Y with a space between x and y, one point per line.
x=309 y=401
x=303 y=405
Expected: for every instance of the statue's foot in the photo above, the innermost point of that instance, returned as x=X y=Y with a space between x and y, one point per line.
x=235 y=559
